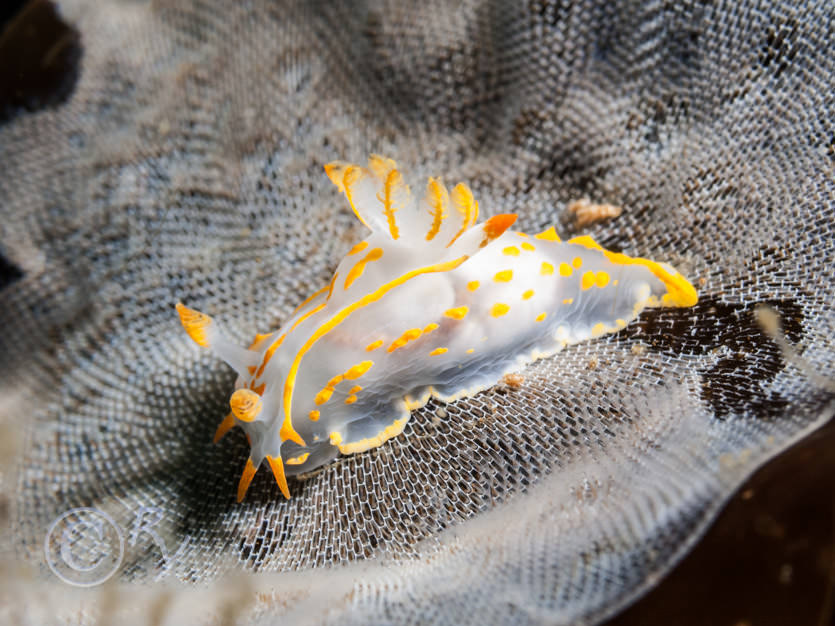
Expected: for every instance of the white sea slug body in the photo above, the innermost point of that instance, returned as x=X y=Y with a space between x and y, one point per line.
x=430 y=304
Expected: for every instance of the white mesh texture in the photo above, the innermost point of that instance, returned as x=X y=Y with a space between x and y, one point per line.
x=187 y=165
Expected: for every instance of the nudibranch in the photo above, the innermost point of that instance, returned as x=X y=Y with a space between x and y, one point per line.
x=431 y=303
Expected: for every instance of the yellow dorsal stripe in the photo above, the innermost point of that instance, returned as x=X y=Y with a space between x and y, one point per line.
x=352 y=373
x=330 y=287
x=406 y=337
x=679 y=290
x=271 y=350
x=259 y=337
x=309 y=298
x=287 y=430
x=325 y=394
x=359 y=267
x=362 y=245
x=269 y=353
x=373 y=345
x=275 y=345
x=358 y=370
x=438 y=198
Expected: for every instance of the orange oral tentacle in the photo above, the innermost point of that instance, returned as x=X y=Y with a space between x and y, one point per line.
x=246 y=478
x=277 y=466
x=225 y=426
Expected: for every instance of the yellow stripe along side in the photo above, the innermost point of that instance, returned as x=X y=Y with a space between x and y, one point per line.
x=287 y=431
x=308 y=299
x=268 y=354
x=359 y=267
x=679 y=290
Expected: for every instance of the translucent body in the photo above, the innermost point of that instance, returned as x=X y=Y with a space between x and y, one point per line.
x=429 y=304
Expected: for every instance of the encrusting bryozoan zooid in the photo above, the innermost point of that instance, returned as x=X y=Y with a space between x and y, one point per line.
x=430 y=304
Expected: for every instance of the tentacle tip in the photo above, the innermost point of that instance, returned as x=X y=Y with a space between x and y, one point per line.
x=680 y=293
x=381 y=165
x=496 y=225
x=462 y=196
x=246 y=479
x=196 y=324
x=277 y=466
x=336 y=172
x=225 y=426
